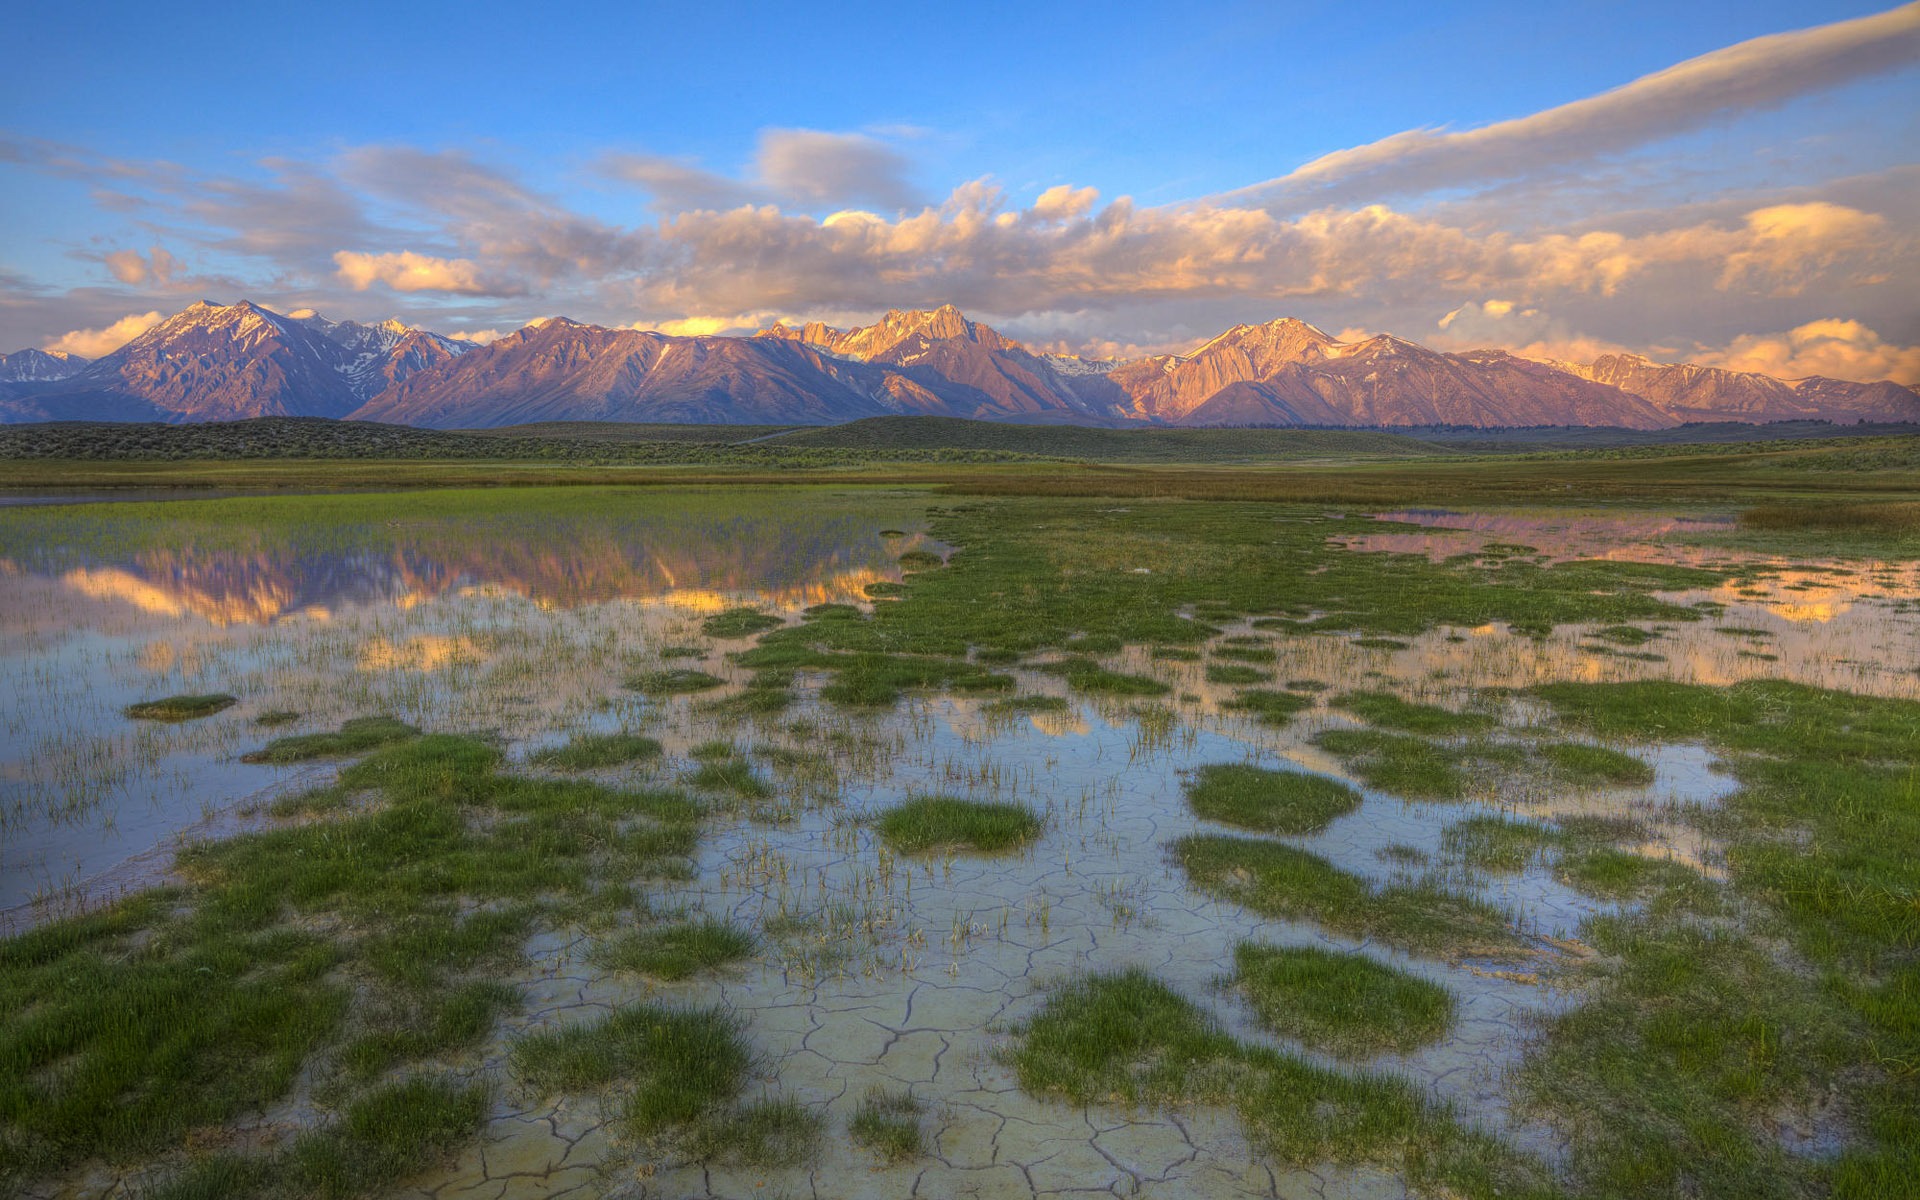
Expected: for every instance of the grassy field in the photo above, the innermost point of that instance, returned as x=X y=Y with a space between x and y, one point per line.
x=378 y=927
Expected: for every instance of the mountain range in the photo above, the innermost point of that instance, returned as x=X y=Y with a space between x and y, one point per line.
x=225 y=362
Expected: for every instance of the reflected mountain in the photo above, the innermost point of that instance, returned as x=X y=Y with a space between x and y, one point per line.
x=696 y=562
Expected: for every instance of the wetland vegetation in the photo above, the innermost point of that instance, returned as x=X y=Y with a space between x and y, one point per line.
x=1111 y=826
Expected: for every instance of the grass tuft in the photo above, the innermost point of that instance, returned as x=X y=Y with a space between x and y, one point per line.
x=675 y=682
x=1287 y=802
x=355 y=736
x=738 y=623
x=949 y=822
x=888 y=1124
x=1342 y=1003
x=181 y=708
x=675 y=951
x=592 y=751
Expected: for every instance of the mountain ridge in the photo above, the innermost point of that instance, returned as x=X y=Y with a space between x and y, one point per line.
x=226 y=362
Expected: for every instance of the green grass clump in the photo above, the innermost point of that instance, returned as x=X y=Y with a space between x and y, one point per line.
x=738 y=623
x=948 y=822
x=1342 y=1003
x=1414 y=767
x=386 y=1135
x=675 y=682
x=1288 y=802
x=591 y=751
x=1596 y=766
x=729 y=772
x=355 y=736
x=1267 y=706
x=274 y=717
x=1231 y=675
x=1391 y=712
x=1128 y=1039
x=832 y=612
x=1175 y=654
x=775 y=1132
x=675 y=951
x=1613 y=874
x=1497 y=844
x=1248 y=654
x=1625 y=635
x=181 y=708
x=876 y=680
x=921 y=560
x=679 y=1064
x=1278 y=880
x=888 y=1124
x=1086 y=675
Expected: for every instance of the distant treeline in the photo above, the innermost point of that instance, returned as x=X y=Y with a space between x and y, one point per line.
x=319 y=438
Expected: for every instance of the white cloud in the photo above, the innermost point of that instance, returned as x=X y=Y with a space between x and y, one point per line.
x=834 y=168
x=1751 y=76
x=409 y=272
x=93 y=343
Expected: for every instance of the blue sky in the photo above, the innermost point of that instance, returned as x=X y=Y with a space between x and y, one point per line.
x=680 y=166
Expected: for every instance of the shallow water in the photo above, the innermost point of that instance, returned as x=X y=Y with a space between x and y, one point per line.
x=923 y=964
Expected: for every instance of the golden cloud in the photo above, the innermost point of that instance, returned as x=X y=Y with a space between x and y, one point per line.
x=93 y=343
x=409 y=272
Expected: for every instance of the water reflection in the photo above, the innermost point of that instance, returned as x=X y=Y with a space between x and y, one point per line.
x=562 y=564
x=517 y=617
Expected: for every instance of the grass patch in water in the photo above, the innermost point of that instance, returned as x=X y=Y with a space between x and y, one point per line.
x=926 y=823
x=1127 y=1039
x=1498 y=844
x=1391 y=712
x=728 y=772
x=676 y=682
x=738 y=623
x=1342 y=1003
x=1247 y=654
x=1624 y=635
x=1234 y=676
x=1278 y=880
x=1086 y=675
x=591 y=751
x=888 y=1124
x=275 y=717
x=355 y=736
x=675 y=951
x=1583 y=765
x=1286 y=802
x=921 y=560
x=181 y=708
x=1406 y=766
x=1267 y=706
